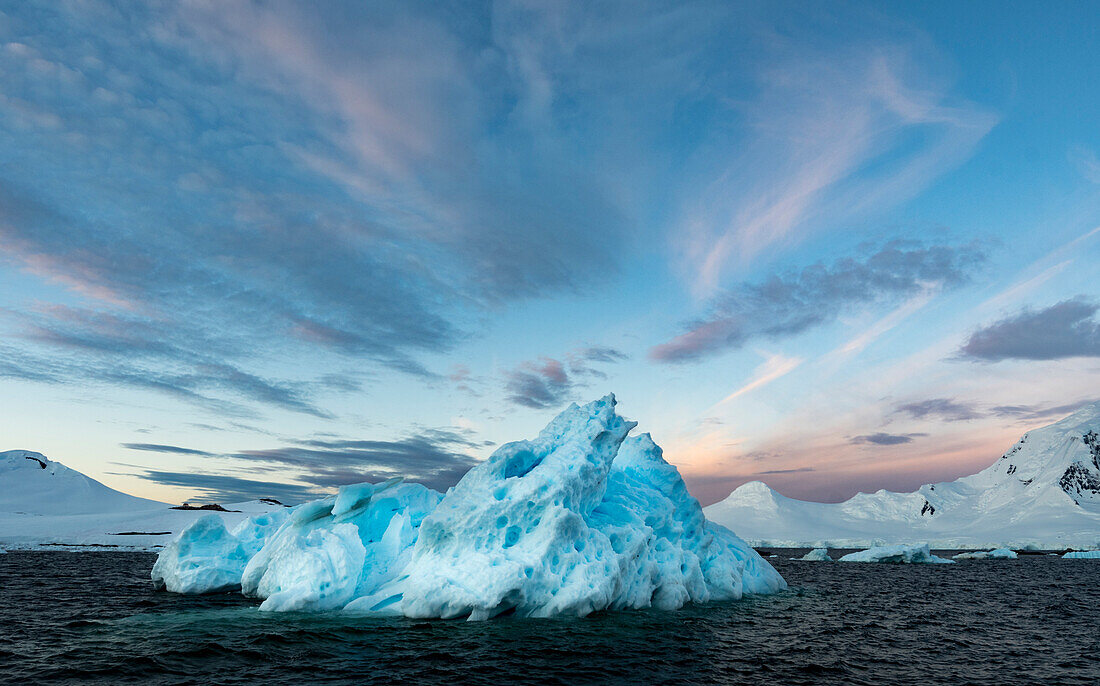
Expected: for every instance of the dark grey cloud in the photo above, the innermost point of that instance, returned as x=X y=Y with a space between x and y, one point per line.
x=582 y=360
x=170 y=449
x=946 y=409
x=538 y=385
x=434 y=457
x=790 y=303
x=885 y=438
x=1066 y=329
x=223 y=489
x=548 y=382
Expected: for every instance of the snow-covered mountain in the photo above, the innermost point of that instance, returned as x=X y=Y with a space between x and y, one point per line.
x=1044 y=492
x=43 y=502
x=32 y=484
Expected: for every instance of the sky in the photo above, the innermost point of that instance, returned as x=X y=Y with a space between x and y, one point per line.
x=269 y=248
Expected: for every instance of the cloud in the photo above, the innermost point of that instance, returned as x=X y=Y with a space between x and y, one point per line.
x=171 y=449
x=1039 y=412
x=787 y=304
x=437 y=458
x=840 y=129
x=538 y=385
x=1066 y=329
x=797 y=470
x=225 y=489
x=773 y=368
x=223 y=185
x=946 y=409
x=548 y=382
x=581 y=360
x=432 y=458
x=885 y=439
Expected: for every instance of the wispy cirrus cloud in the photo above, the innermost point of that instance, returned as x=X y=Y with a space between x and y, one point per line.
x=824 y=117
x=1040 y=412
x=775 y=367
x=787 y=304
x=170 y=449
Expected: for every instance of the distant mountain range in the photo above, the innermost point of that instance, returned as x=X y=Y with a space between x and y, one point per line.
x=1044 y=492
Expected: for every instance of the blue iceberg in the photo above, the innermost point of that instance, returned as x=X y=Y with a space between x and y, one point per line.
x=582 y=518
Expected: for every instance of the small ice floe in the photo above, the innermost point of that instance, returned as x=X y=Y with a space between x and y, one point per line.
x=816 y=555
x=998 y=554
x=1082 y=555
x=897 y=554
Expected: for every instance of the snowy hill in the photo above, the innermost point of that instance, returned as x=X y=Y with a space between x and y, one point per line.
x=32 y=484
x=1044 y=492
x=43 y=502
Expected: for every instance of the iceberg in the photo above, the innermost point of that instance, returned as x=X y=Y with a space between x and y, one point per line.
x=896 y=554
x=998 y=554
x=816 y=555
x=1082 y=555
x=580 y=519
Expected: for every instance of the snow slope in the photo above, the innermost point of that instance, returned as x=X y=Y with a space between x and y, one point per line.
x=1043 y=493
x=580 y=519
x=32 y=484
x=43 y=502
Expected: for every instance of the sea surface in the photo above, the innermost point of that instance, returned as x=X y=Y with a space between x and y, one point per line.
x=93 y=617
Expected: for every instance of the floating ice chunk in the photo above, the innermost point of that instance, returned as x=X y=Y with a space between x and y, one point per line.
x=579 y=519
x=817 y=555
x=1083 y=555
x=998 y=554
x=898 y=554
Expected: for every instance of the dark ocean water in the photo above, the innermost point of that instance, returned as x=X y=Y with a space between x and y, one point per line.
x=94 y=617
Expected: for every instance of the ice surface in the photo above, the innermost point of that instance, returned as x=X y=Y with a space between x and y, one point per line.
x=1083 y=555
x=207 y=557
x=334 y=550
x=577 y=520
x=897 y=554
x=998 y=554
x=817 y=555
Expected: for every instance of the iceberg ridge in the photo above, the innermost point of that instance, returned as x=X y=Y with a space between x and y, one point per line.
x=579 y=519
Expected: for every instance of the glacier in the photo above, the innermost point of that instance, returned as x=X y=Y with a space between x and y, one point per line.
x=816 y=555
x=896 y=554
x=1043 y=493
x=580 y=519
